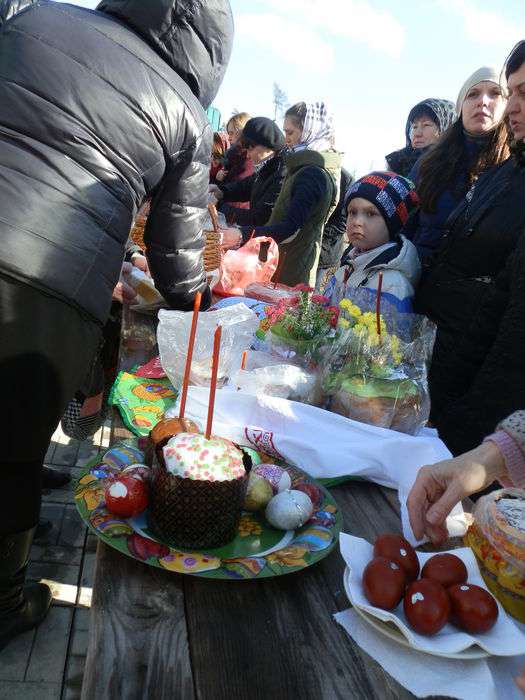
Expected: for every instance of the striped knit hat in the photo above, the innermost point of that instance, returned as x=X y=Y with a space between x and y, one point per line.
x=395 y=197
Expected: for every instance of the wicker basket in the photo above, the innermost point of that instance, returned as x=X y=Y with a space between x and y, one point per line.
x=195 y=514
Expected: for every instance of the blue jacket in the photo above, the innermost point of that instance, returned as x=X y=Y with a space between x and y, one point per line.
x=427 y=228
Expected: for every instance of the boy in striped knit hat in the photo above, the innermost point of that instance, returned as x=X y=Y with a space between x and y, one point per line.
x=378 y=207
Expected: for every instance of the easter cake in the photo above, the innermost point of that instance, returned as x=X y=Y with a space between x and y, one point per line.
x=198 y=490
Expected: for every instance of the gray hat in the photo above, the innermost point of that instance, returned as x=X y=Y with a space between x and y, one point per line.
x=484 y=73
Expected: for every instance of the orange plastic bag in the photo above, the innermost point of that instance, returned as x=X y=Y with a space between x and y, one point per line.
x=256 y=261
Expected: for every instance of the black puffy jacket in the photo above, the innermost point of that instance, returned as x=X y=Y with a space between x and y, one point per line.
x=333 y=243
x=99 y=110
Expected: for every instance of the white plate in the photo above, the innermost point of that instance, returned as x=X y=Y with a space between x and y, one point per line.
x=395 y=634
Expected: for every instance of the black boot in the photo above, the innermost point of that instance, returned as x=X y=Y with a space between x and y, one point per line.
x=21 y=607
x=53 y=479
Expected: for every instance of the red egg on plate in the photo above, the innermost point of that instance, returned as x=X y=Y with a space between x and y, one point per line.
x=126 y=496
x=384 y=583
x=473 y=609
x=427 y=606
x=395 y=547
x=446 y=569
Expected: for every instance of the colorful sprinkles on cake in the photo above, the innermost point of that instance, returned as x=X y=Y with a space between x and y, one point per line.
x=191 y=456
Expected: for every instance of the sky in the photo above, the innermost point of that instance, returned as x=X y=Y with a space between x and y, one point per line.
x=369 y=60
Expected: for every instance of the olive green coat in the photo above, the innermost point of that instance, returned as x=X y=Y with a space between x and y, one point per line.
x=303 y=248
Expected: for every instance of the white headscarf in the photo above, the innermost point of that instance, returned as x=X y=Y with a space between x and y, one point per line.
x=318 y=130
x=484 y=73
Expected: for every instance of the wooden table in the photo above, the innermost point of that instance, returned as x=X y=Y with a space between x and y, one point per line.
x=159 y=635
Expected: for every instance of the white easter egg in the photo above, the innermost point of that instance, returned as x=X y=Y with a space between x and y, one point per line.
x=289 y=510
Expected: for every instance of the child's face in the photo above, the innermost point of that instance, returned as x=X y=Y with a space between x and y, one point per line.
x=365 y=227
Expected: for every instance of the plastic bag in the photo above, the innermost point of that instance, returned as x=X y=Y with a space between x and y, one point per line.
x=496 y=538
x=283 y=381
x=379 y=379
x=242 y=267
x=238 y=322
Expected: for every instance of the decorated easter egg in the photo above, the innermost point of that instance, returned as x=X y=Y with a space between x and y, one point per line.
x=258 y=493
x=277 y=476
x=126 y=496
x=138 y=471
x=289 y=510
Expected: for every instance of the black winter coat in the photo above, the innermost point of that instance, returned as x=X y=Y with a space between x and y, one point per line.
x=99 y=110
x=260 y=189
x=333 y=243
x=480 y=236
x=484 y=381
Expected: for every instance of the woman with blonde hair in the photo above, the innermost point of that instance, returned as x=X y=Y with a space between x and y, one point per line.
x=237 y=166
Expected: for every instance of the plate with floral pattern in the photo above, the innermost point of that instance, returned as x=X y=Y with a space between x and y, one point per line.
x=257 y=551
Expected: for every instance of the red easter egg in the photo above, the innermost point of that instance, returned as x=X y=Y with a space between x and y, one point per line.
x=384 y=583
x=126 y=496
x=446 y=569
x=473 y=608
x=427 y=606
x=397 y=548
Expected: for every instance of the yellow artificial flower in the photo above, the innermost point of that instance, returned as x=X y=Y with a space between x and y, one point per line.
x=343 y=323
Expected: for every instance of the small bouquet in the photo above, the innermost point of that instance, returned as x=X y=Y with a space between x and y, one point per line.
x=299 y=326
x=376 y=369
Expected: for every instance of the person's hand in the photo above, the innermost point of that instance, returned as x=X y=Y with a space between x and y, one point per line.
x=520 y=680
x=231 y=238
x=438 y=488
x=124 y=292
x=140 y=262
x=221 y=175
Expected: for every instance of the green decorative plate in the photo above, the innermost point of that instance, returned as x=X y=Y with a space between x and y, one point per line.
x=258 y=550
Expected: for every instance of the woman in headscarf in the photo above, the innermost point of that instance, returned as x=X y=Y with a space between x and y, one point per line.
x=309 y=194
x=426 y=122
x=476 y=141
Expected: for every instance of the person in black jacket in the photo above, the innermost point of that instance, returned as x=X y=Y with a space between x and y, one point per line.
x=263 y=141
x=98 y=111
x=475 y=292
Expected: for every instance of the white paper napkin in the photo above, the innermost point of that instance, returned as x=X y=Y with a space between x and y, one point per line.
x=504 y=639
x=324 y=444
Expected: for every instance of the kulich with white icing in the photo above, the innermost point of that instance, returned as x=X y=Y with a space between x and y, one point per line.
x=191 y=456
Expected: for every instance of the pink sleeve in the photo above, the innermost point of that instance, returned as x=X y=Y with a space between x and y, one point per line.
x=513 y=456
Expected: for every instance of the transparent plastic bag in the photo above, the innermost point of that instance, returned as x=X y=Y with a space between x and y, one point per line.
x=501 y=518
x=239 y=324
x=379 y=379
x=282 y=381
x=255 y=261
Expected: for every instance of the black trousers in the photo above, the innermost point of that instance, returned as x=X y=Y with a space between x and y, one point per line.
x=46 y=349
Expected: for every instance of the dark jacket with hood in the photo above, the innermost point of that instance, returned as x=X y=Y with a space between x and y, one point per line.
x=261 y=189
x=482 y=233
x=444 y=114
x=98 y=111
x=333 y=243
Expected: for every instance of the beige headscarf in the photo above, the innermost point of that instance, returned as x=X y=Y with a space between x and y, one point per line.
x=484 y=73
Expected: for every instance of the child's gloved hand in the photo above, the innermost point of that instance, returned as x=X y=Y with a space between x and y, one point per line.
x=123 y=292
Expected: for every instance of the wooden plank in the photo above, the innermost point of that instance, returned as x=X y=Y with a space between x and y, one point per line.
x=14 y=660
x=138 y=645
x=30 y=691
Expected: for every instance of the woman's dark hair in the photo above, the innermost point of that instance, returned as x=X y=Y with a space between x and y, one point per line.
x=515 y=59
x=442 y=166
x=297 y=113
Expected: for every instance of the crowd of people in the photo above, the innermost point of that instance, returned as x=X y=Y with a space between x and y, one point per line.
x=102 y=111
